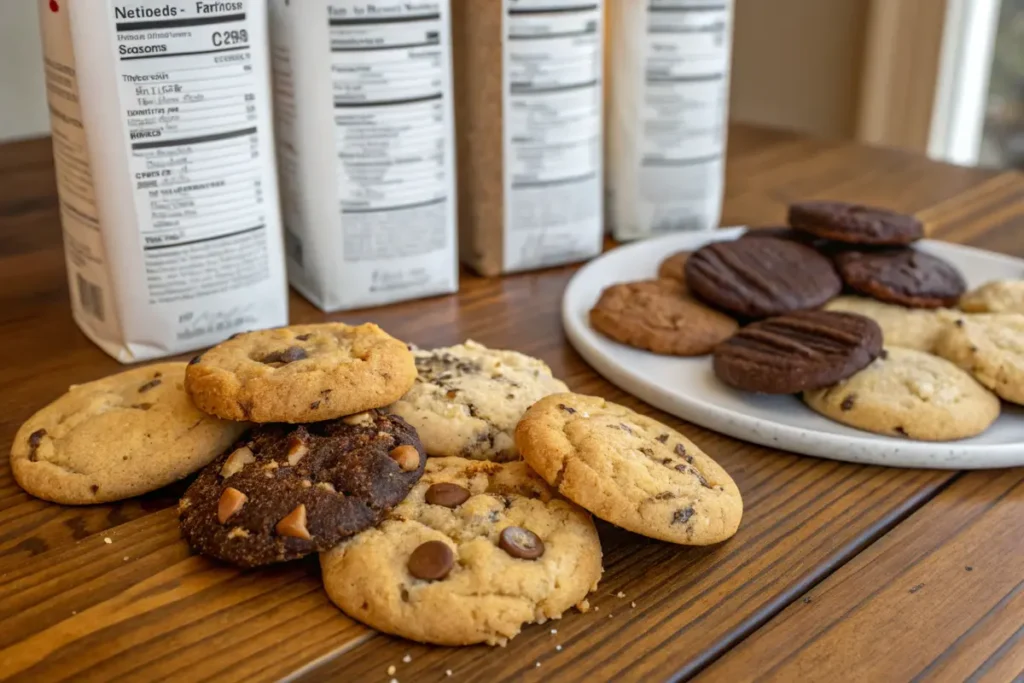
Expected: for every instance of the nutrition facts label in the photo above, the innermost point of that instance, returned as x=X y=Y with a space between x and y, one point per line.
x=389 y=64
x=552 y=128
x=188 y=92
x=682 y=135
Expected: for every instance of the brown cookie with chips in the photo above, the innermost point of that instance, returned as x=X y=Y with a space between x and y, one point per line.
x=798 y=352
x=286 y=491
x=906 y=277
x=855 y=223
x=758 y=278
x=658 y=316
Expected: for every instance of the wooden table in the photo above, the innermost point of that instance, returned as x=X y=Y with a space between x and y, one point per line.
x=838 y=572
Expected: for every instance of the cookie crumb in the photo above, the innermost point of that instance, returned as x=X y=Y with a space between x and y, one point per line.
x=407 y=658
x=554 y=631
x=391 y=670
x=633 y=604
x=537 y=664
x=969 y=568
x=74 y=612
x=597 y=608
x=610 y=616
x=620 y=594
x=107 y=540
x=807 y=600
x=558 y=648
x=393 y=680
x=917 y=588
x=125 y=558
x=447 y=672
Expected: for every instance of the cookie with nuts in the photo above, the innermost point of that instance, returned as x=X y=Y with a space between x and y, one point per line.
x=302 y=373
x=468 y=398
x=629 y=469
x=286 y=491
x=476 y=551
x=117 y=437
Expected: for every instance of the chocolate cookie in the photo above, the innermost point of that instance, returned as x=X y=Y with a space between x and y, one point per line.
x=854 y=223
x=287 y=491
x=779 y=233
x=902 y=276
x=657 y=315
x=798 y=352
x=757 y=278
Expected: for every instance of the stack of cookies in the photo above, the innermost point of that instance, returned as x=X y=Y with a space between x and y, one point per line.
x=314 y=439
x=768 y=307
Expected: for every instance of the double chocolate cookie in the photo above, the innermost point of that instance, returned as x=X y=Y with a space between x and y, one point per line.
x=658 y=316
x=757 y=278
x=902 y=276
x=855 y=223
x=797 y=352
x=288 y=491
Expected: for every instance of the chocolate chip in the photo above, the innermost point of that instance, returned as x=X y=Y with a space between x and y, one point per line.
x=510 y=396
x=95 y=489
x=959 y=322
x=314 y=405
x=663 y=438
x=847 y=403
x=431 y=561
x=682 y=516
x=680 y=449
x=625 y=427
x=969 y=568
x=150 y=385
x=195 y=360
x=917 y=588
x=688 y=458
x=452 y=393
x=446 y=495
x=36 y=437
x=665 y=495
x=142 y=406
x=647 y=451
x=900 y=430
x=667 y=461
x=289 y=355
x=521 y=543
x=568 y=409
x=304 y=337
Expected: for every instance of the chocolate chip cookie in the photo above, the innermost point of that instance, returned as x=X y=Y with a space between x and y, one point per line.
x=906 y=277
x=117 y=437
x=468 y=398
x=1001 y=296
x=303 y=373
x=855 y=223
x=990 y=346
x=911 y=328
x=476 y=550
x=797 y=352
x=629 y=470
x=656 y=315
x=286 y=491
x=912 y=394
x=757 y=278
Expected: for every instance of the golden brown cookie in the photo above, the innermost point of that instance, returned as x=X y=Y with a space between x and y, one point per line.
x=911 y=394
x=990 y=346
x=476 y=550
x=657 y=315
x=1001 y=296
x=629 y=470
x=910 y=328
x=302 y=373
x=117 y=437
x=674 y=267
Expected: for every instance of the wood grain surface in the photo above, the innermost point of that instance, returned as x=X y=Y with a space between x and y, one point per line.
x=142 y=607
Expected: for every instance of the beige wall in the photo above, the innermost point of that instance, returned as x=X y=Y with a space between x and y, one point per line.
x=797 y=63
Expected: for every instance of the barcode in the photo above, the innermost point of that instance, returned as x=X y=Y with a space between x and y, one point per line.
x=293 y=247
x=90 y=296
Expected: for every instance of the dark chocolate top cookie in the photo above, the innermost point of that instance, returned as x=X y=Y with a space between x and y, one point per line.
x=902 y=276
x=780 y=233
x=855 y=223
x=286 y=491
x=797 y=352
x=757 y=278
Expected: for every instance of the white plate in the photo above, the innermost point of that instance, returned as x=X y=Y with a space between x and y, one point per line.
x=687 y=387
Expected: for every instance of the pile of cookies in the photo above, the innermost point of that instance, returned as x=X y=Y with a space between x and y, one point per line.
x=890 y=355
x=448 y=492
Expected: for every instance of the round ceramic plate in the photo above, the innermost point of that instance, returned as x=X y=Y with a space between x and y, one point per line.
x=687 y=387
